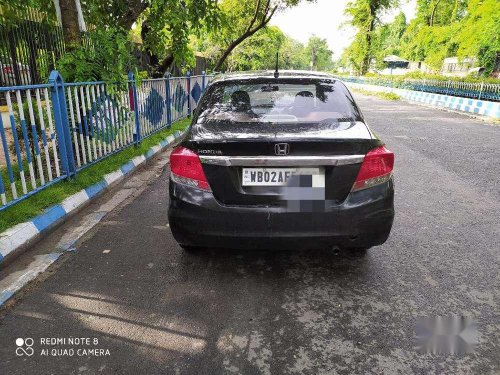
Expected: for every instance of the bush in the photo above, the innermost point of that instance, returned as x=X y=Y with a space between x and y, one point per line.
x=437 y=77
x=104 y=55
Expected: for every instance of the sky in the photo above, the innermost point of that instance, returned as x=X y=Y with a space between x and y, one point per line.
x=324 y=18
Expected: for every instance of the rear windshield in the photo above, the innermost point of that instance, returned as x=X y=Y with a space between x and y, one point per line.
x=276 y=101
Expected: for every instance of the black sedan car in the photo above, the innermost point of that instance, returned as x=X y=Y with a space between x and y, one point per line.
x=280 y=162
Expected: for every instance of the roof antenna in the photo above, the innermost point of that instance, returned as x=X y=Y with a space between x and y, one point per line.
x=276 y=73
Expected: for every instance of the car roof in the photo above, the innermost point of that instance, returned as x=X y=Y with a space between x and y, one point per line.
x=259 y=74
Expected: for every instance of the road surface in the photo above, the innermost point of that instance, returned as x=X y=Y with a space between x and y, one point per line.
x=154 y=309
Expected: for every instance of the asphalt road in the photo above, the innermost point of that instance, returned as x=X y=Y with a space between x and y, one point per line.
x=160 y=310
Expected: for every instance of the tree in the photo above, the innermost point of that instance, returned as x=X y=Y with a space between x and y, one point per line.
x=293 y=55
x=262 y=12
x=387 y=39
x=432 y=45
x=242 y=19
x=432 y=35
x=69 y=22
x=168 y=26
x=259 y=52
x=165 y=25
x=441 y=29
x=319 y=53
x=439 y=12
x=364 y=15
x=479 y=34
x=354 y=55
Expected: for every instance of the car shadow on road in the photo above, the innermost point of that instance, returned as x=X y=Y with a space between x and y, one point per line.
x=275 y=264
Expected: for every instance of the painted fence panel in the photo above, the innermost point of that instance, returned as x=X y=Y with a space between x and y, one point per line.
x=29 y=145
x=101 y=120
x=54 y=130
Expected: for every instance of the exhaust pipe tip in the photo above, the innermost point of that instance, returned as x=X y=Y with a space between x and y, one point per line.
x=336 y=250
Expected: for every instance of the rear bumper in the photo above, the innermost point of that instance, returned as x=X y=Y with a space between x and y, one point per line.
x=364 y=219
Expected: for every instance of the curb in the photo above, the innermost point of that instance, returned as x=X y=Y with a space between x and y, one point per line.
x=22 y=234
x=460 y=104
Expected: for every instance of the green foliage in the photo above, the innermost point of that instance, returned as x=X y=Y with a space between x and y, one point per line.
x=355 y=54
x=432 y=44
x=171 y=24
x=245 y=22
x=106 y=55
x=387 y=39
x=457 y=28
x=429 y=37
x=441 y=28
x=440 y=12
x=378 y=94
x=11 y=11
x=235 y=18
x=400 y=79
x=320 y=54
x=236 y=15
x=259 y=52
x=160 y=29
x=479 y=33
x=293 y=55
x=364 y=16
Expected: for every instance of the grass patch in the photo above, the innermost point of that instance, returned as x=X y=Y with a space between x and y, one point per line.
x=379 y=94
x=36 y=204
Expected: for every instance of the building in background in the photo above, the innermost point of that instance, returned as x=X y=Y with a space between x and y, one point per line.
x=395 y=65
x=455 y=67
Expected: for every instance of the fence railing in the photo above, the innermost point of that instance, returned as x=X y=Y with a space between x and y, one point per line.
x=31 y=41
x=51 y=131
x=473 y=90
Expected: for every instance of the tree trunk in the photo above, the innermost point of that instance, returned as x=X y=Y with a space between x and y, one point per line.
x=365 y=66
x=433 y=13
x=134 y=10
x=70 y=26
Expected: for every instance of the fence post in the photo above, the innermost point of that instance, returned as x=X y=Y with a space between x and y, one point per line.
x=203 y=84
x=188 y=76
x=481 y=90
x=132 y=92
x=168 y=99
x=58 y=96
x=448 y=85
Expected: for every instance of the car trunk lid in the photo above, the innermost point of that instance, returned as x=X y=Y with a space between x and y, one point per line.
x=226 y=156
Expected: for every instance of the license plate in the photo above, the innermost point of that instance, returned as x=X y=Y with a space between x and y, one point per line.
x=276 y=176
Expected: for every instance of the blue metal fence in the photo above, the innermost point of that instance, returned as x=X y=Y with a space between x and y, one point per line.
x=479 y=90
x=51 y=131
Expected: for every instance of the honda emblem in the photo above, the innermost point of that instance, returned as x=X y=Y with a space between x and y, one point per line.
x=281 y=149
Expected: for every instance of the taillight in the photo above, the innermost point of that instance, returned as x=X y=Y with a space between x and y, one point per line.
x=186 y=168
x=376 y=169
